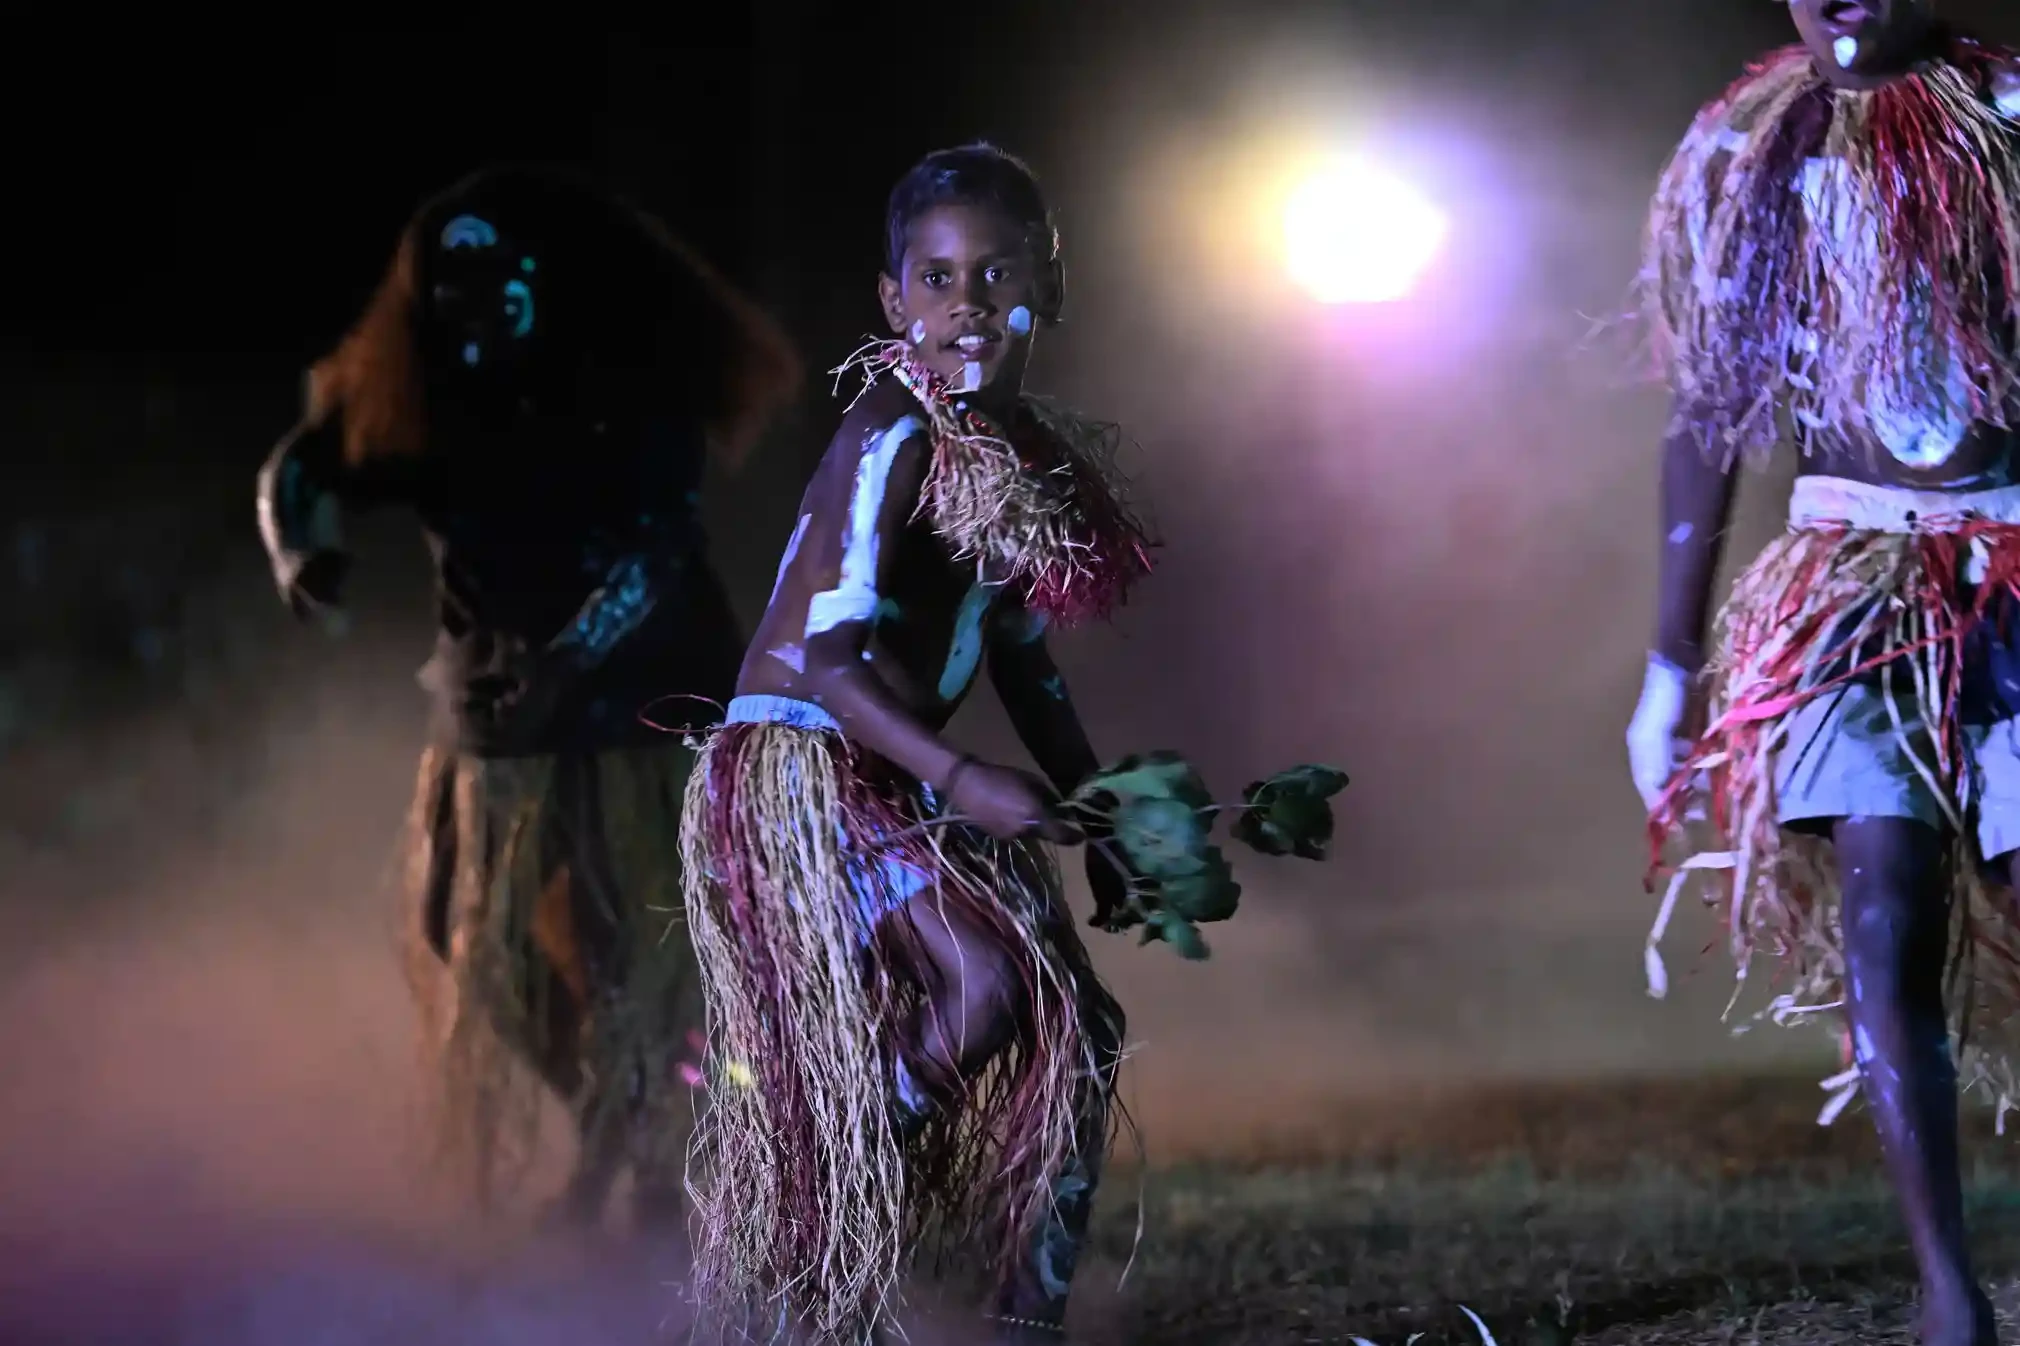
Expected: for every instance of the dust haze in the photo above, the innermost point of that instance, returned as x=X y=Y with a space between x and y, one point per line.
x=1416 y=543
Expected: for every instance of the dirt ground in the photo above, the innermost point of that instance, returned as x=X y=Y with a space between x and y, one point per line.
x=1704 y=1211
x=1660 y=1213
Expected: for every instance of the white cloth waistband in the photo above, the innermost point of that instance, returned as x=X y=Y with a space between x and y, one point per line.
x=1896 y=509
x=779 y=710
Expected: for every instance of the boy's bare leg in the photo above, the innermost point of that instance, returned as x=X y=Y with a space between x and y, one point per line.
x=971 y=1011
x=1896 y=884
x=970 y=1017
x=1033 y=1306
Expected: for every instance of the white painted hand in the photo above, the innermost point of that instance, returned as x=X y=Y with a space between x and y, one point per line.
x=1654 y=748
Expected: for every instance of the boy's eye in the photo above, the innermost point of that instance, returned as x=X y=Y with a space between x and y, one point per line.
x=997 y=274
x=936 y=279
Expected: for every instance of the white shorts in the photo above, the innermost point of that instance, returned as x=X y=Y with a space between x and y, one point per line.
x=1844 y=758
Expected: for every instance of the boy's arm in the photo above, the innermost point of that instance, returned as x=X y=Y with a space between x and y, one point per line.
x=1034 y=696
x=1697 y=499
x=870 y=487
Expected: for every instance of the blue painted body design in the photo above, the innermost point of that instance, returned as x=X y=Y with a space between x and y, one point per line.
x=519 y=307
x=626 y=598
x=469 y=231
x=964 y=654
x=882 y=883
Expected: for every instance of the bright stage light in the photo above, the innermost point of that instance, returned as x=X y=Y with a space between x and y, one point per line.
x=1355 y=234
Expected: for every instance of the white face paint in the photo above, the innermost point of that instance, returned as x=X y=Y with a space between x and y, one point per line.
x=1680 y=534
x=1845 y=50
x=1019 y=321
x=964 y=652
x=918 y=332
x=854 y=597
x=971 y=377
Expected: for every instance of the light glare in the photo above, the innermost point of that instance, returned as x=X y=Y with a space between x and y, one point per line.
x=1356 y=234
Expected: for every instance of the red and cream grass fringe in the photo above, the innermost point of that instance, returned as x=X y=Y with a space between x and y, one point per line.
x=811 y=1206
x=1039 y=506
x=1821 y=605
x=1742 y=291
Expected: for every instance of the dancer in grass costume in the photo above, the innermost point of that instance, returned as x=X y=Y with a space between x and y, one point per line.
x=910 y=1052
x=1833 y=256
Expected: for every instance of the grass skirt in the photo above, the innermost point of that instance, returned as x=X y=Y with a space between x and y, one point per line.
x=550 y=887
x=812 y=1203
x=1823 y=604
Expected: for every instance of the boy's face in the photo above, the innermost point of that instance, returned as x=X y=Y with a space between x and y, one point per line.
x=1860 y=44
x=968 y=296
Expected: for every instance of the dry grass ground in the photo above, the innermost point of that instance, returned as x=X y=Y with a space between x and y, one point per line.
x=1713 y=1211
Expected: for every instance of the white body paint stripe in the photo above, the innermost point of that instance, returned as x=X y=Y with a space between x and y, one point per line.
x=792 y=550
x=2006 y=93
x=854 y=597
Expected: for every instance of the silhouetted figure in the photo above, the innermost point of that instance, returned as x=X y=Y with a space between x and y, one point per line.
x=540 y=377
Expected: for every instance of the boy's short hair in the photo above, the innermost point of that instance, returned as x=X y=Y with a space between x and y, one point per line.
x=978 y=174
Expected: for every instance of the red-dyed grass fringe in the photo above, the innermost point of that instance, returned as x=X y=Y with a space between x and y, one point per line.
x=1732 y=757
x=1117 y=551
x=1737 y=323
x=1108 y=550
x=977 y=1180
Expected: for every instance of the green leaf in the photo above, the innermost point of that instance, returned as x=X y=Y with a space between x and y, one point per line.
x=1209 y=895
x=1155 y=775
x=1153 y=815
x=1289 y=813
x=1161 y=837
x=1183 y=937
x=1185 y=940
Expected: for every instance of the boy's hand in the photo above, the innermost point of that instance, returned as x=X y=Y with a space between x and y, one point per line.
x=1657 y=736
x=1006 y=803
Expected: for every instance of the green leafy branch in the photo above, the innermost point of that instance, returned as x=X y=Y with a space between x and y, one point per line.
x=1151 y=817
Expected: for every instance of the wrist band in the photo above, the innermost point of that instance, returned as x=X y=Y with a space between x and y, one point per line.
x=965 y=761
